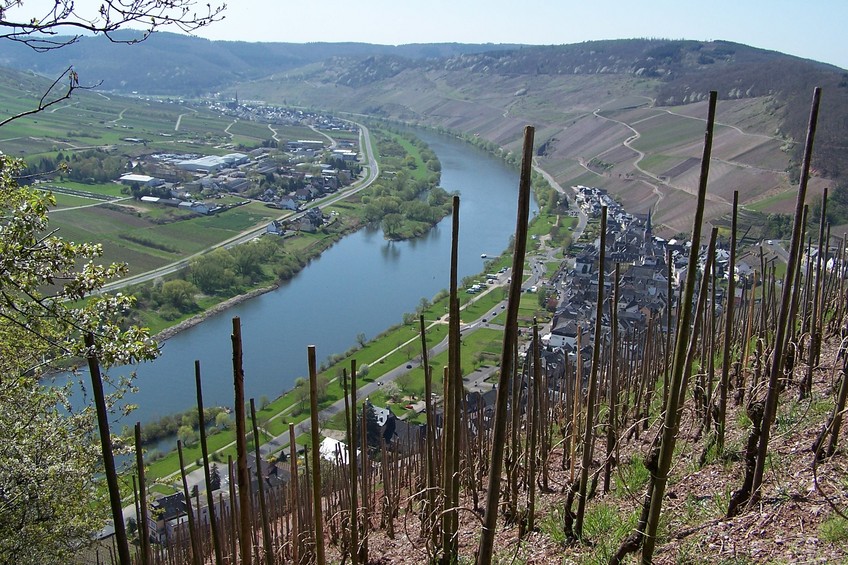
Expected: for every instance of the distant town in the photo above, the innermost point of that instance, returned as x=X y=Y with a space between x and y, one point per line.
x=287 y=177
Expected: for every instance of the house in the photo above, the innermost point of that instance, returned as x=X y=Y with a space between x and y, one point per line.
x=584 y=262
x=141 y=180
x=276 y=227
x=303 y=194
x=476 y=401
x=407 y=438
x=287 y=203
x=236 y=184
x=196 y=207
x=562 y=336
x=334 y=451
x=387 y=421
x=166 y=515
x=274 y=475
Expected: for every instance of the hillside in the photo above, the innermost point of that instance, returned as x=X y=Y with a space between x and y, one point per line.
x=625 y=115
x=629 y=117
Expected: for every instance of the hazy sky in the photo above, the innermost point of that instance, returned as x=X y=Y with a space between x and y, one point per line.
x=814 y=29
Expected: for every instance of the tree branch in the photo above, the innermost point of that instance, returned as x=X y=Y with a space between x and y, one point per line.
x=73 y=85
x=64 y=17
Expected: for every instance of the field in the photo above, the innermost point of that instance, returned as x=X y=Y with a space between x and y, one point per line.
x=146 y=236
x=94 y=119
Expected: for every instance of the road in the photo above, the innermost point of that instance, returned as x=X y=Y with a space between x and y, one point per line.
x=372 y=171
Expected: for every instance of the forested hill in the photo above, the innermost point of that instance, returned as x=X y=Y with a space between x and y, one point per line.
x=175 y=64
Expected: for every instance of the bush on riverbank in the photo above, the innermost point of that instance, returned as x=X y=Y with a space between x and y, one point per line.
x=169 y=426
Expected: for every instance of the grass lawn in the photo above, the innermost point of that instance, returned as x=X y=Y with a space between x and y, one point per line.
x=68 y=201
x=106 y=188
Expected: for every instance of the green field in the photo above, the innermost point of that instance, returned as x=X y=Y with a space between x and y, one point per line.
x=147 y=236
x=68 y=201
x=107 y=189
x=92 y=119
x=765 y=204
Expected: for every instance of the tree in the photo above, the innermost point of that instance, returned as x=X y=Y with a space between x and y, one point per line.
x=301 y=392
x=214 y=272
x=392 y=391
x=214 y=477
x=180 y=294
x=187 y=435
x=372 y=428
x=49 y=499
x=361 y=339
x=222 y=420
x=391 y=224
x=61 y=22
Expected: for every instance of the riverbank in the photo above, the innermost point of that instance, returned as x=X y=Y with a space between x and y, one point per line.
x=213 y=311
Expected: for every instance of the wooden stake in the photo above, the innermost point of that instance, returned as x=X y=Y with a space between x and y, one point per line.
x=241 y=449
x=487 y=538
x=316 y=458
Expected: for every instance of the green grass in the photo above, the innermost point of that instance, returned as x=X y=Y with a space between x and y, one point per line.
x=162 y=489
x=834 y=529
x=659 y=163
x=479 y=308
x=68 y=201
x=605 y=525
x=107 y=189
x=631 y=477
x=252 y=131
x=765 y=204
x=419 y=172
x=542 y=224
x=666 y=132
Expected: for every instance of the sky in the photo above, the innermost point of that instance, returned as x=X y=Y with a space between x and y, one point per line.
x=812 y=29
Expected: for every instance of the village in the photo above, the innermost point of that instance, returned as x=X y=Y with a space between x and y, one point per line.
x=284 y=178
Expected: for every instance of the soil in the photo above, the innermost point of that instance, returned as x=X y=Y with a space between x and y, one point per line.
x=796 y=521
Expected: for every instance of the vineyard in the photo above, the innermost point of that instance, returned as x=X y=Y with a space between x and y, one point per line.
x=711 y=435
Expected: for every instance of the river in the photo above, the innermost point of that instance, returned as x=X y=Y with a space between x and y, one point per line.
x=363 y=284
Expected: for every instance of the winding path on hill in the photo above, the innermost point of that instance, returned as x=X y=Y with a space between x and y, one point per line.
x=227 y=129
x=735 y=128
x=119 y=118
x=273 y=133
x=68 y=105
x=641 y=155
x=333 y=142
